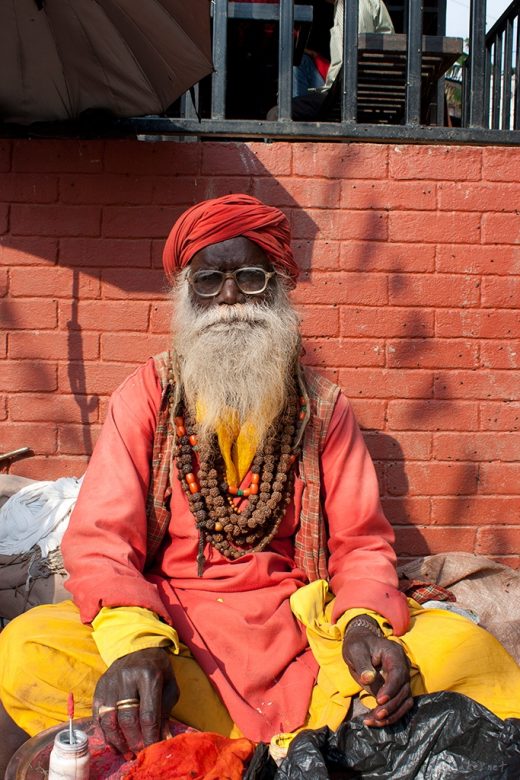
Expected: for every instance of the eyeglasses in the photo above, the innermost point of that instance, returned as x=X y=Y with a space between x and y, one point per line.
x=250 y=281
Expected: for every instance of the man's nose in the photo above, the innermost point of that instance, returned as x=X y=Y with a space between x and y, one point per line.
x=230 y=293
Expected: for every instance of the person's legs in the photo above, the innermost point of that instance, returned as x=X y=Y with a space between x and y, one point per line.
x=454 y=654
x=306 y=76
x=199 y=704
x=447 y=652
x=48 y=652
x=304 y=109
x=34 y=676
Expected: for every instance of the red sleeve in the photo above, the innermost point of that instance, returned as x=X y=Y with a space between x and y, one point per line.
x=104 y=548
x=362 y=560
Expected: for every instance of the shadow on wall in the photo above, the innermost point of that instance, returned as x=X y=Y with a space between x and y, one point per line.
x=451 y=503
x=76 y=370
x=389 y=460
x=411 y=346
x=85 y=234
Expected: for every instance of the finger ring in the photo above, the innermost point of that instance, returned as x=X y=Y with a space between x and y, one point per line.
x=104 y=709
x=127 y=703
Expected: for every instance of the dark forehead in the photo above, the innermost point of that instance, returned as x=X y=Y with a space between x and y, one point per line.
x=231 y=254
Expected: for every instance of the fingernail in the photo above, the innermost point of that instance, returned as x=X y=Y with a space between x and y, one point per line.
x=368 y=676
x=381 y=715
x=383 y=699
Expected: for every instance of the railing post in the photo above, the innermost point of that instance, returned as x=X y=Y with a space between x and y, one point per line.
x=516 y=122
x=440 y=110
x=218 y=81
x=477 y=54
x=413 y=62
x=350 y=59
x=497 y=81
x=187 y=108
x=508 y=75
x=285 y=58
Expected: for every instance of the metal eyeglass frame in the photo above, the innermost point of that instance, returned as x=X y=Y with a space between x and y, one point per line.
x=225 y=275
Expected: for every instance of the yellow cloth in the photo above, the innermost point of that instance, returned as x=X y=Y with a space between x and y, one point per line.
x=335 y=686
x=447 y=652
x=122 y=630
x=237 y=443
x=48 y=652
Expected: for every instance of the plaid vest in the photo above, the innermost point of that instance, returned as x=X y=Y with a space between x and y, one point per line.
x=310 y=541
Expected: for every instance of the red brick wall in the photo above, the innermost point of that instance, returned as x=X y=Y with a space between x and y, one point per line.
x=409 y=299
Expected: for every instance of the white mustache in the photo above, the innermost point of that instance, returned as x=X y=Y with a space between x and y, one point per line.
x=246 y=313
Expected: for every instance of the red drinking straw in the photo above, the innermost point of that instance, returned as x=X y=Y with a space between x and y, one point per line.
x=70 y=713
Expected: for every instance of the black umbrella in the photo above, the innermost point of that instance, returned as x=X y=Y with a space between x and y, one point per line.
x=61 y=58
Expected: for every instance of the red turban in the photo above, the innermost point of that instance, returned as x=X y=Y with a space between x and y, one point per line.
x=219 y=219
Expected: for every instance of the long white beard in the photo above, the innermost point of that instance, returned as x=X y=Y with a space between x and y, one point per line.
x=237 y=357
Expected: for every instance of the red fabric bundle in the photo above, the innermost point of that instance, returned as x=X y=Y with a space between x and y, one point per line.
x=195 y=756
x=422 y=591
x=219 y=219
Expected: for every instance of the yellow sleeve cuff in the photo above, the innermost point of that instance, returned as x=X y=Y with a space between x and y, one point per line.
x=350 y=614
x=118 y=631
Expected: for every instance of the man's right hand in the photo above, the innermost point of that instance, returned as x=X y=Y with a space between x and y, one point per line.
x=144 y=685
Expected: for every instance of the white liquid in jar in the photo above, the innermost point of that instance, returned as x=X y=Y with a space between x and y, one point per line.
x=69 y=761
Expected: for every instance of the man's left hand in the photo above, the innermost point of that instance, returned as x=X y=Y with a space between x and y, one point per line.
x=381 y=668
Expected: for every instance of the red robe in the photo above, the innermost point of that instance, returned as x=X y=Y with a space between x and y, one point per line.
x=236 y=618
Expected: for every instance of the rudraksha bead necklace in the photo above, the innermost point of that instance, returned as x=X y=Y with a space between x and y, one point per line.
x=220 y=520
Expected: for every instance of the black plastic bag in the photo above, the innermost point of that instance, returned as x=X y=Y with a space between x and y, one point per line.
x=445 y=736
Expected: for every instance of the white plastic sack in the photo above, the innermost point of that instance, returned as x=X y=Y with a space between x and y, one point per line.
x=38 y=514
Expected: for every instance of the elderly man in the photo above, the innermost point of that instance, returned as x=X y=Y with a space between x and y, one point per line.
x=229 y=559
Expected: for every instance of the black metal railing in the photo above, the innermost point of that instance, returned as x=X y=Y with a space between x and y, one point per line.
x=502 y=61
x=391 y=86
